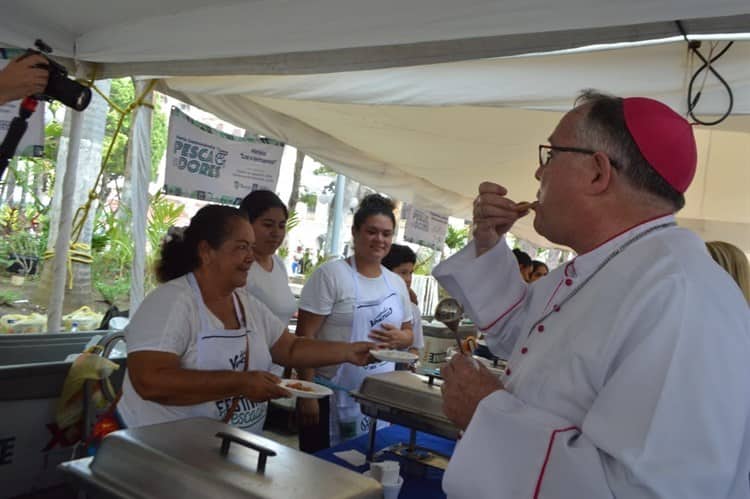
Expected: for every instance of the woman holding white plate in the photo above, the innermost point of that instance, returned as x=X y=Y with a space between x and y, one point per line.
x=353 y=299
x=199 y=345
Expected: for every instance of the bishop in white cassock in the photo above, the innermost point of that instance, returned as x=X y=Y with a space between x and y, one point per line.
x=629 y=367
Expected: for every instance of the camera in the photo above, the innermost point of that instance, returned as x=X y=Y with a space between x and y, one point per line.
x=59 y=86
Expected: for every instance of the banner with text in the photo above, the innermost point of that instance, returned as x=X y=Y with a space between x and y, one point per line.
x=32 y=143
x=210 y=165
x=426 y=228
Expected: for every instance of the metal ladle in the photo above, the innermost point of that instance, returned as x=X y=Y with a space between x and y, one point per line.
x=450 y=312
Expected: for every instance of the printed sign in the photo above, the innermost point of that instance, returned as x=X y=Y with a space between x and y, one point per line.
x=31 y=446
x=32 y=142
x=426 y=228
x=210 y=165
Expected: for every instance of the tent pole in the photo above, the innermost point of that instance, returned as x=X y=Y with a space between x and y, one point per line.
x=140 y=176
x=65 y=228
x=338 y=215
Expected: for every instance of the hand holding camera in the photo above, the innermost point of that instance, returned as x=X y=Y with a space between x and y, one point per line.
x=35 y=77
x=26 y=75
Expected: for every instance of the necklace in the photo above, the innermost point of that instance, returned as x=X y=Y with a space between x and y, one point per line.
x=608 y=259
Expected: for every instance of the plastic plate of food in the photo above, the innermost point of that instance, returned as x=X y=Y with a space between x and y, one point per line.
x=397 y=356
x=305 y=389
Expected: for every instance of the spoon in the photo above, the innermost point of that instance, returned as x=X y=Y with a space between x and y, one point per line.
x=449 y=312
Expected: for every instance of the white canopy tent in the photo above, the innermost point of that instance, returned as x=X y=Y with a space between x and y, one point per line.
x=421 y=99
x=430 y=134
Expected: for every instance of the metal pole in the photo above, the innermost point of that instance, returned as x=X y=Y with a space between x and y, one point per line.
x=338 y=215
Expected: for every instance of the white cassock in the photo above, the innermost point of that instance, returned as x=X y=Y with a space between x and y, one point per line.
x=635 y=384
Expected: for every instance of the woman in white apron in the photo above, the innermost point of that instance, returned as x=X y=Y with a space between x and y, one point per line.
x=199 y=345
x=352 y=300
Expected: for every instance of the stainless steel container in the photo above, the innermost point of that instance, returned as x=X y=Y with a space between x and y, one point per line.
x=407 y=399
x=203 y=458
x=437 y=339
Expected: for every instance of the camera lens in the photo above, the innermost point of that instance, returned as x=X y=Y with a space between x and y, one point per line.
x=69 y=92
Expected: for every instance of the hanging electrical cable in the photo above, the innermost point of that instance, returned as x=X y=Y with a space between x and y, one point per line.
x=692 y=100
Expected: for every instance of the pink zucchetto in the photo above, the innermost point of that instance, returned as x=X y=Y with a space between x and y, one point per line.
x=664 y=138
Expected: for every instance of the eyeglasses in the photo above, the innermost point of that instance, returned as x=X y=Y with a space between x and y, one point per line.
x=545 y=153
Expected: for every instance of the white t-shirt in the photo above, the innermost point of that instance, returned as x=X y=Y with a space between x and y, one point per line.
x=168 y=320
x=272 y=288
x=330 y=291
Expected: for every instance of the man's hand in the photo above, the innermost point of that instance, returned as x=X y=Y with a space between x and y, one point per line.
x=261 y=386
x=20 y=78
x=359 y=352
x=465 y=384
x=392 y=336
x=494 y=215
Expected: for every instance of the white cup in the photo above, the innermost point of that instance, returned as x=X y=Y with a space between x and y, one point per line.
x=385 y=472
x=391 y=491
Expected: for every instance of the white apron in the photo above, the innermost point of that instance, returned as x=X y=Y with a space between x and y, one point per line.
x=224 y=349
x=347 y=420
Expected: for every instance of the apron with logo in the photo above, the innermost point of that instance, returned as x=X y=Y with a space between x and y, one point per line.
x=347 y=420
x=226 y=349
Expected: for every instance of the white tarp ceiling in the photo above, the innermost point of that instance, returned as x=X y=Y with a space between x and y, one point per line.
x=312 y=36
x=354 y=83
x=430 y=134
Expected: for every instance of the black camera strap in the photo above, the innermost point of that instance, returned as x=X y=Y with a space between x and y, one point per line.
x=15 y=132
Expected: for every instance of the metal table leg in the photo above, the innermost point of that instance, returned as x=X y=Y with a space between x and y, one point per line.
x=371 y=446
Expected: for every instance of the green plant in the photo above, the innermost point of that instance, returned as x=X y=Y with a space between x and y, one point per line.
x=425 y=258
x=162 y=215
x=112 y=248
x=310 y=199
x=10 y=219
x=456 y=239
x=22 y=249
x=116 y=291
x=292 y=221
x=7 y=297
x=310 y=267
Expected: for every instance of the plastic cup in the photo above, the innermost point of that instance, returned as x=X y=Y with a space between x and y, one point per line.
x=391 y=491
x=385 y=472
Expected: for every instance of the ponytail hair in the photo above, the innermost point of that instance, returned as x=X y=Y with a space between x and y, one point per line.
x=373 y=204
x=179 y=250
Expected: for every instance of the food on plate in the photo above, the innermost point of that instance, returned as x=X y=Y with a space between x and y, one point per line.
x=299 y=386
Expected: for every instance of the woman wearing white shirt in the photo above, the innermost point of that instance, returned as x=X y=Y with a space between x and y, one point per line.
x=352 y=299
x=199 y=346
x=267 y=279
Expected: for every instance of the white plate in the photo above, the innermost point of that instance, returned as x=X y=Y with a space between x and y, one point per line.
x=314 y=390
x=398 y=356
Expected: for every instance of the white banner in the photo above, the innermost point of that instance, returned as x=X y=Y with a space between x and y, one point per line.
x=210 y=165
x=426 y=228
x=32 y=143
